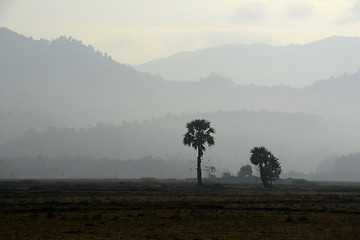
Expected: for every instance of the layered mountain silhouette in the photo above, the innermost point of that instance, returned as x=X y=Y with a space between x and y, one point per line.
x=263 y=65
x=63 y=83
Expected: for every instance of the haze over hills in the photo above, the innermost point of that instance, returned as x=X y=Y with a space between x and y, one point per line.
x=65 y=84
x=264 y=65
x=299 y=140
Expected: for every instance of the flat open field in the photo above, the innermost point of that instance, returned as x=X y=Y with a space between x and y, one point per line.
x=150 y=209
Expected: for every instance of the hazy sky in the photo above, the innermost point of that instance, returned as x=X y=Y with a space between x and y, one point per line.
x=136 y=31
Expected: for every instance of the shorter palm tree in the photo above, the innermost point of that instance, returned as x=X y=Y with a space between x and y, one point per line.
x=268 y=165
x=199 y=132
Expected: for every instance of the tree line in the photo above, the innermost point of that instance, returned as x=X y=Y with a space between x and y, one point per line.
x=199 y=133
x=90 y=167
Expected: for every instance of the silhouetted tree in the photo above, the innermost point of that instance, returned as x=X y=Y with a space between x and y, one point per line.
x=268 y=165
x=211 y=170
x=226 y=175
x=199 y=133
x=245 y=171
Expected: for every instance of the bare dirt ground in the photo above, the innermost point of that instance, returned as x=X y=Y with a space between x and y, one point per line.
x=154 y=209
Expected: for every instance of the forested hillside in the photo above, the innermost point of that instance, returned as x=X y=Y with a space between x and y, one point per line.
x=300 y=140
x=64 y=83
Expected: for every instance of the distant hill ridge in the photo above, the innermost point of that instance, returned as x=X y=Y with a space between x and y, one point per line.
x=260 y=64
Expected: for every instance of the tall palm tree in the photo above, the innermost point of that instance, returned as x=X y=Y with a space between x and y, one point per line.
x=199 y=133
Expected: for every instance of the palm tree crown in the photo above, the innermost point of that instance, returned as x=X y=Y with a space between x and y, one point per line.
x=199 y=133
x=260 y=155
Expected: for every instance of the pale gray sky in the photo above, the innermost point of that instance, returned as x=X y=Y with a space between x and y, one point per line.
x=137 y=31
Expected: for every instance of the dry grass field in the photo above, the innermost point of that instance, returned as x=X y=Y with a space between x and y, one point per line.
x=151 y=209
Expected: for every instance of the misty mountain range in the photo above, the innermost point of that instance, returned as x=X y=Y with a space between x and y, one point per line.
x=263 y=65
x=71 y=87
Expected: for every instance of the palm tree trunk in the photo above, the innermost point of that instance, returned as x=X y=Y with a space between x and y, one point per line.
x=200 y=153
x=263 y=177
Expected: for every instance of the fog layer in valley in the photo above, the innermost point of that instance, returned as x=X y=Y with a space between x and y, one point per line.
x=62 y=99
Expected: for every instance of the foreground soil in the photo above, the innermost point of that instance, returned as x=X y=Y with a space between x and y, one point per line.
x=150 y=209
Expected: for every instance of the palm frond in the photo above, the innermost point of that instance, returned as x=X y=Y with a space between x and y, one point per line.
x=199 y=132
